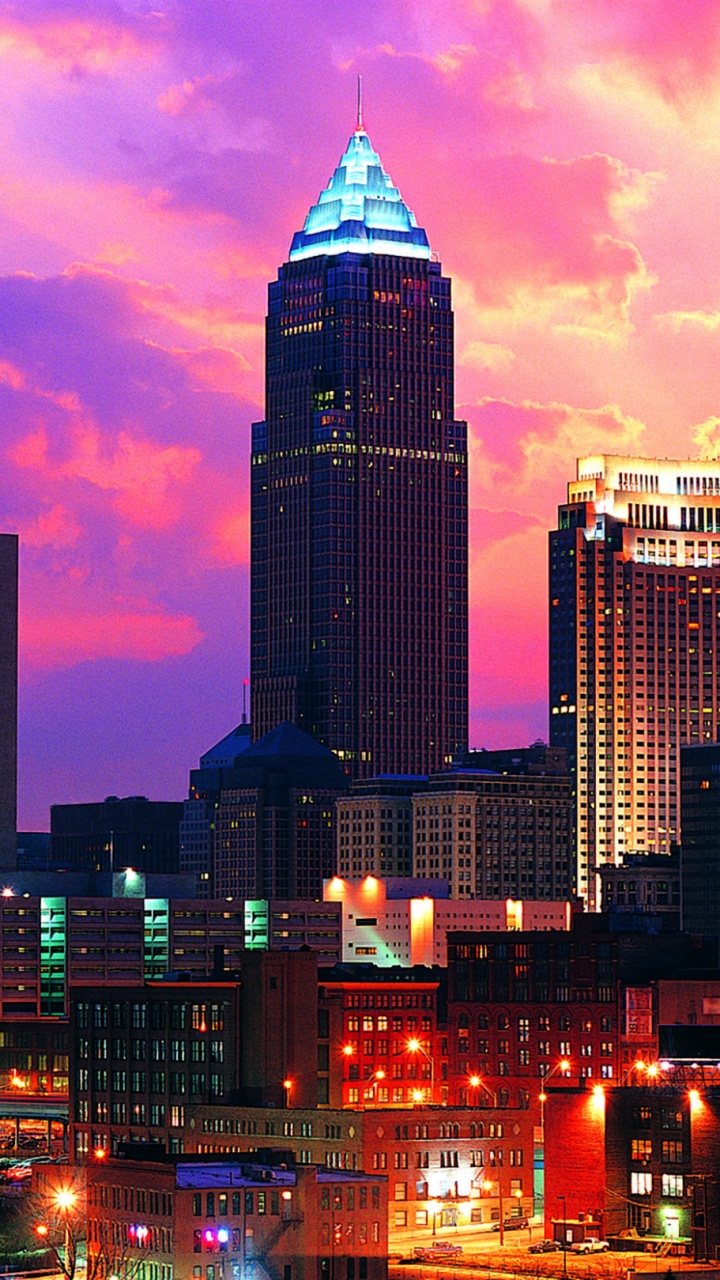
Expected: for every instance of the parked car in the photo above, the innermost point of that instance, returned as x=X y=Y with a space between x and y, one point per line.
x=438 y=1249
x=591 y=1245
x=511 y=1224
x=546 y=1246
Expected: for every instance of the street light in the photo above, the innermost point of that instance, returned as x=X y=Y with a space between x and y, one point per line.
x=64 y=1200
x=476 y=1082
x=415 y=1046
x=370 y=1084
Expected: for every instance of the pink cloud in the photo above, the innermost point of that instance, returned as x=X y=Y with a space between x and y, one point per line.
x=56 y=528
x=73 y=43
x=674 y=46
x=141 y=475
x=56 y=640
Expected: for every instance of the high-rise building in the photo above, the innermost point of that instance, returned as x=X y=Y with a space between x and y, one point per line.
x=634 y=672
x=8 y=699
x=359 y=488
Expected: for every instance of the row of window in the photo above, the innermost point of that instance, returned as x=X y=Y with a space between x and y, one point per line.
x=672 y=1184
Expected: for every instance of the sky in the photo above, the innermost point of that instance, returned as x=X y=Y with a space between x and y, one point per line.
x=157 y=156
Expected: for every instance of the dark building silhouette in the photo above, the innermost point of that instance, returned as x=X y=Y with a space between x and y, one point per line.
x=700 y=857
x=8 y=698
x=274 y=821
x=113 y=834
x=197 y=828
x=359 y=489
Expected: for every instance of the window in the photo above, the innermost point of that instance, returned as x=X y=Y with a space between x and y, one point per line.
x=672 y=1151
x=641 y=1150
x=672 y=1184
x=401 y=1191
x=641 y=1184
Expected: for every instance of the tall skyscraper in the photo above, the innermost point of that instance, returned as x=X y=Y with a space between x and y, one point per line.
x=634 y=638
x=8 y=699
x=359 y=488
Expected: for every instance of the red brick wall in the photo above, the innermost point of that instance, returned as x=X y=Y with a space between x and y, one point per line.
x=574 y=1154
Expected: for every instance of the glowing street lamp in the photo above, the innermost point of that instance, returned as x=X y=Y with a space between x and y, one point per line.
x=477 y=1082
x=371 y=1083
x=415 y=1046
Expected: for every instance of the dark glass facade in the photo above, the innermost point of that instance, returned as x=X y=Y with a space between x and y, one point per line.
x=359 y=515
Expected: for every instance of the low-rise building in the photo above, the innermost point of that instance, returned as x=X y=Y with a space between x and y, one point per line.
x=406 y=921
x=214 y=1220
x=450 y=1167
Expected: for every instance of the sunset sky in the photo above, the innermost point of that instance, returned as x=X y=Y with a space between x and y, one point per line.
x=157 y=156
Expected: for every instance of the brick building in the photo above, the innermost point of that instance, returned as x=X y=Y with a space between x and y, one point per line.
x=383 y=1043
x=520 y=1003
x=142 y=1054
x=211 y=1220
x=450 y=1167
x=641 y=1159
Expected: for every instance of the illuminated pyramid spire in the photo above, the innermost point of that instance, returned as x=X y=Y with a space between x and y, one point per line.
x=360 y=211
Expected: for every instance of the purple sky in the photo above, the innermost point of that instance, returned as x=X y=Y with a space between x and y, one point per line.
x=157 y=159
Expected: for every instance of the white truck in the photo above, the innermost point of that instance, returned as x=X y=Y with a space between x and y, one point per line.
x=591 y=1245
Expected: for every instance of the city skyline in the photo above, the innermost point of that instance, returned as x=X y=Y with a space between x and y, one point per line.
x=564 y=165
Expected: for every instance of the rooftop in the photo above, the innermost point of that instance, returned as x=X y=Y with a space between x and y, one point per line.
x=360 y=211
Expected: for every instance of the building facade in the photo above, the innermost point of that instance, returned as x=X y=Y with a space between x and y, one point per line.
x=275 y=818
x=493 y=835
x=634 y=594
x=700 y=854
x=359 y=488
x=218 y=1219
x=640 y=1160
x=406 y=921
x=116 y=833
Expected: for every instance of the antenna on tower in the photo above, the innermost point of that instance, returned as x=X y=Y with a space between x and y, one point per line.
x=244 y=710
x=359 y=124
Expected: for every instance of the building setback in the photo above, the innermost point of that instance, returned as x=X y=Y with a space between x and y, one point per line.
x=359 y=488
x=634 y=603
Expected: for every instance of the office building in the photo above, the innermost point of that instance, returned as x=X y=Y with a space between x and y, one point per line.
x=634 y=596
x=8 y=698
x=274 y=820
x=496 y=835
x=115 y=834
x=359 y=488
x=374 y=827
x=497 y=825
x=646 y=885
x=197 y=828
x=162 y=1046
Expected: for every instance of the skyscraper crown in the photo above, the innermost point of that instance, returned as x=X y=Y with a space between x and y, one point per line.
x=360 y=211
